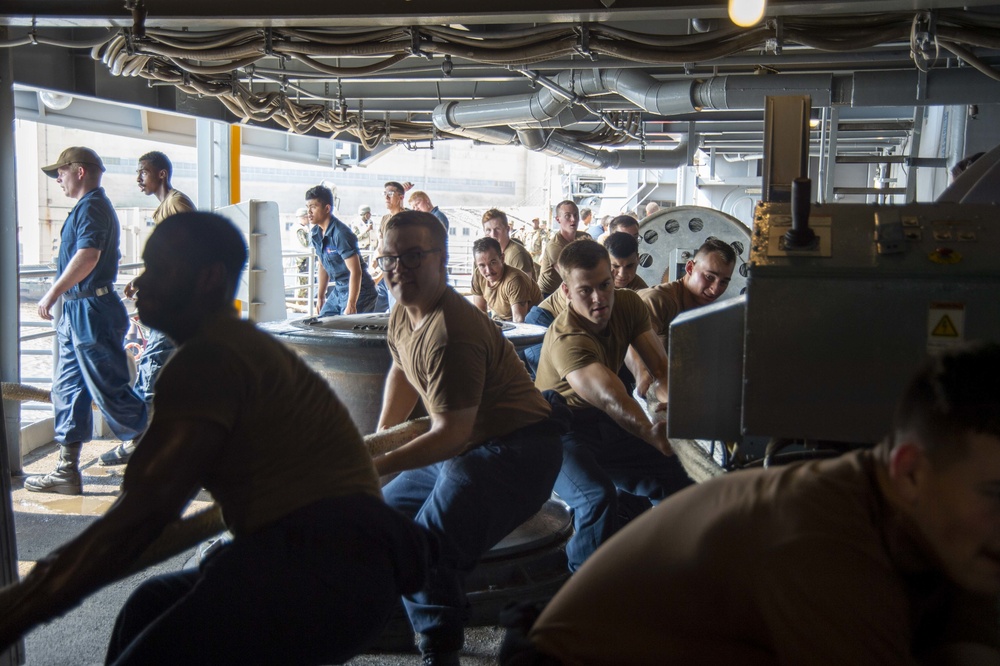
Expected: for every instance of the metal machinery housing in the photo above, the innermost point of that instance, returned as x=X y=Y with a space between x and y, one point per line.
x=822 y=343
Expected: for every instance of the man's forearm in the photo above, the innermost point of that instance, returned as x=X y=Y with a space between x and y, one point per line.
x=79 y=267
x=629 y=415
x=324 y=282
x=432 y=447
x=518 y=311
x=99 y=556
x=353 y=289
x=398 y=399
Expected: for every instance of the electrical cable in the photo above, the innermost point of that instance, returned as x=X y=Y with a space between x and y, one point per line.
x=212 y=62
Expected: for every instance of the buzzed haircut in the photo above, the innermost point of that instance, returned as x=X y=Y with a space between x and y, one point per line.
x=567 y=202
x=483 y=245
x=321 y=194
x=496 y=214
x=621 y=245
x=722 y=248
x=623 y=221
x=420 y=196
x=585 y=254
x=209 y=238
x=416 y=218
x=953 y=394
x=396 y=186
x=158 y=161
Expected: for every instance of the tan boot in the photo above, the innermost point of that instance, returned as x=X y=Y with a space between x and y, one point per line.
x=66 y=480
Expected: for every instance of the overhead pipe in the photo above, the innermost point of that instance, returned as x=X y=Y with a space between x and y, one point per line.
x=558 y=145
x=552 y=98
x=530 y=113
x=497 y=136
x=734 y=92
x=663 y=98
x=542 y=106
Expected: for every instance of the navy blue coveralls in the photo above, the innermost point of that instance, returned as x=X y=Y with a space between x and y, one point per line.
x=332 y=248
x=91 y=365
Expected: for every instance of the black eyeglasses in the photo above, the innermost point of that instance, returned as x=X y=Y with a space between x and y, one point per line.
x=409 y=260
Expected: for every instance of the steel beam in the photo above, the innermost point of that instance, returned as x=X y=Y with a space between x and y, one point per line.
x=433 y=12
x=10 y=411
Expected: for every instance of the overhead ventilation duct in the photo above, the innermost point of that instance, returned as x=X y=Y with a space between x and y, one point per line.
x=548 y=108
x=560 y=146
x=570 y=116
x=555 y=106
x=660 y=97
x=663 y=98
x=498 y=136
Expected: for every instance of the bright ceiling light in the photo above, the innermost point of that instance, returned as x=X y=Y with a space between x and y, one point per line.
x=55 y=101
x=746 y=13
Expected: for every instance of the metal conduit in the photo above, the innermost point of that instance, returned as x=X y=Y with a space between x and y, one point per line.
x=558 y=145
x=529 y=112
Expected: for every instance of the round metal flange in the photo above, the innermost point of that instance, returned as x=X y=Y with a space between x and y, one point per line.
x=671 y=236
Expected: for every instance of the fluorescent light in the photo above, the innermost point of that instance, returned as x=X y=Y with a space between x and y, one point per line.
x=746 y=13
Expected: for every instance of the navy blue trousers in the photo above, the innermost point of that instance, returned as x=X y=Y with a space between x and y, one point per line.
x=599 y=457
x=336 y=301
x=158 y=350
x=92 y=368
x=533 y=354
x=316 y=587
x=470 y=503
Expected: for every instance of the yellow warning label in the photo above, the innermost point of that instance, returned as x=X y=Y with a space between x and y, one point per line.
x=945 y=328
x=945 y=325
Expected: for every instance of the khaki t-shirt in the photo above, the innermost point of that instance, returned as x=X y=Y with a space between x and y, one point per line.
x=555 y=303
x=514 y=287
x=175 y=202
x=457 y=359
x=837 y=577
x=636 y=284
x=549 y=278
x=383 y=223
x=515 y=255
x=289 y=440
x=665 y=302
x=568 y=346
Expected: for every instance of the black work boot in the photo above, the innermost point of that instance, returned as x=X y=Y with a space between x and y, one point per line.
x=440 y=648
x=66 y=480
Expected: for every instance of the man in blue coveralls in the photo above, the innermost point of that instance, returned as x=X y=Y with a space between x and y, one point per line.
x=91 y=364
x=339 y=259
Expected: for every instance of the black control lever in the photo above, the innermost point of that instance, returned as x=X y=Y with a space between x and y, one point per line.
x=800 y=236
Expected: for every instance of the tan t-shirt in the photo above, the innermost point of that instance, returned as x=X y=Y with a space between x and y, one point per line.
x=514 y=287
x=289 y=440
x=457 y=359
x=515 y=255
x=555 y=303
x=834 y=575
x=636 y=284
x=666 y=301
x=175 y=202
x=383 y=223
x=549 y=278
x=568 y=346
